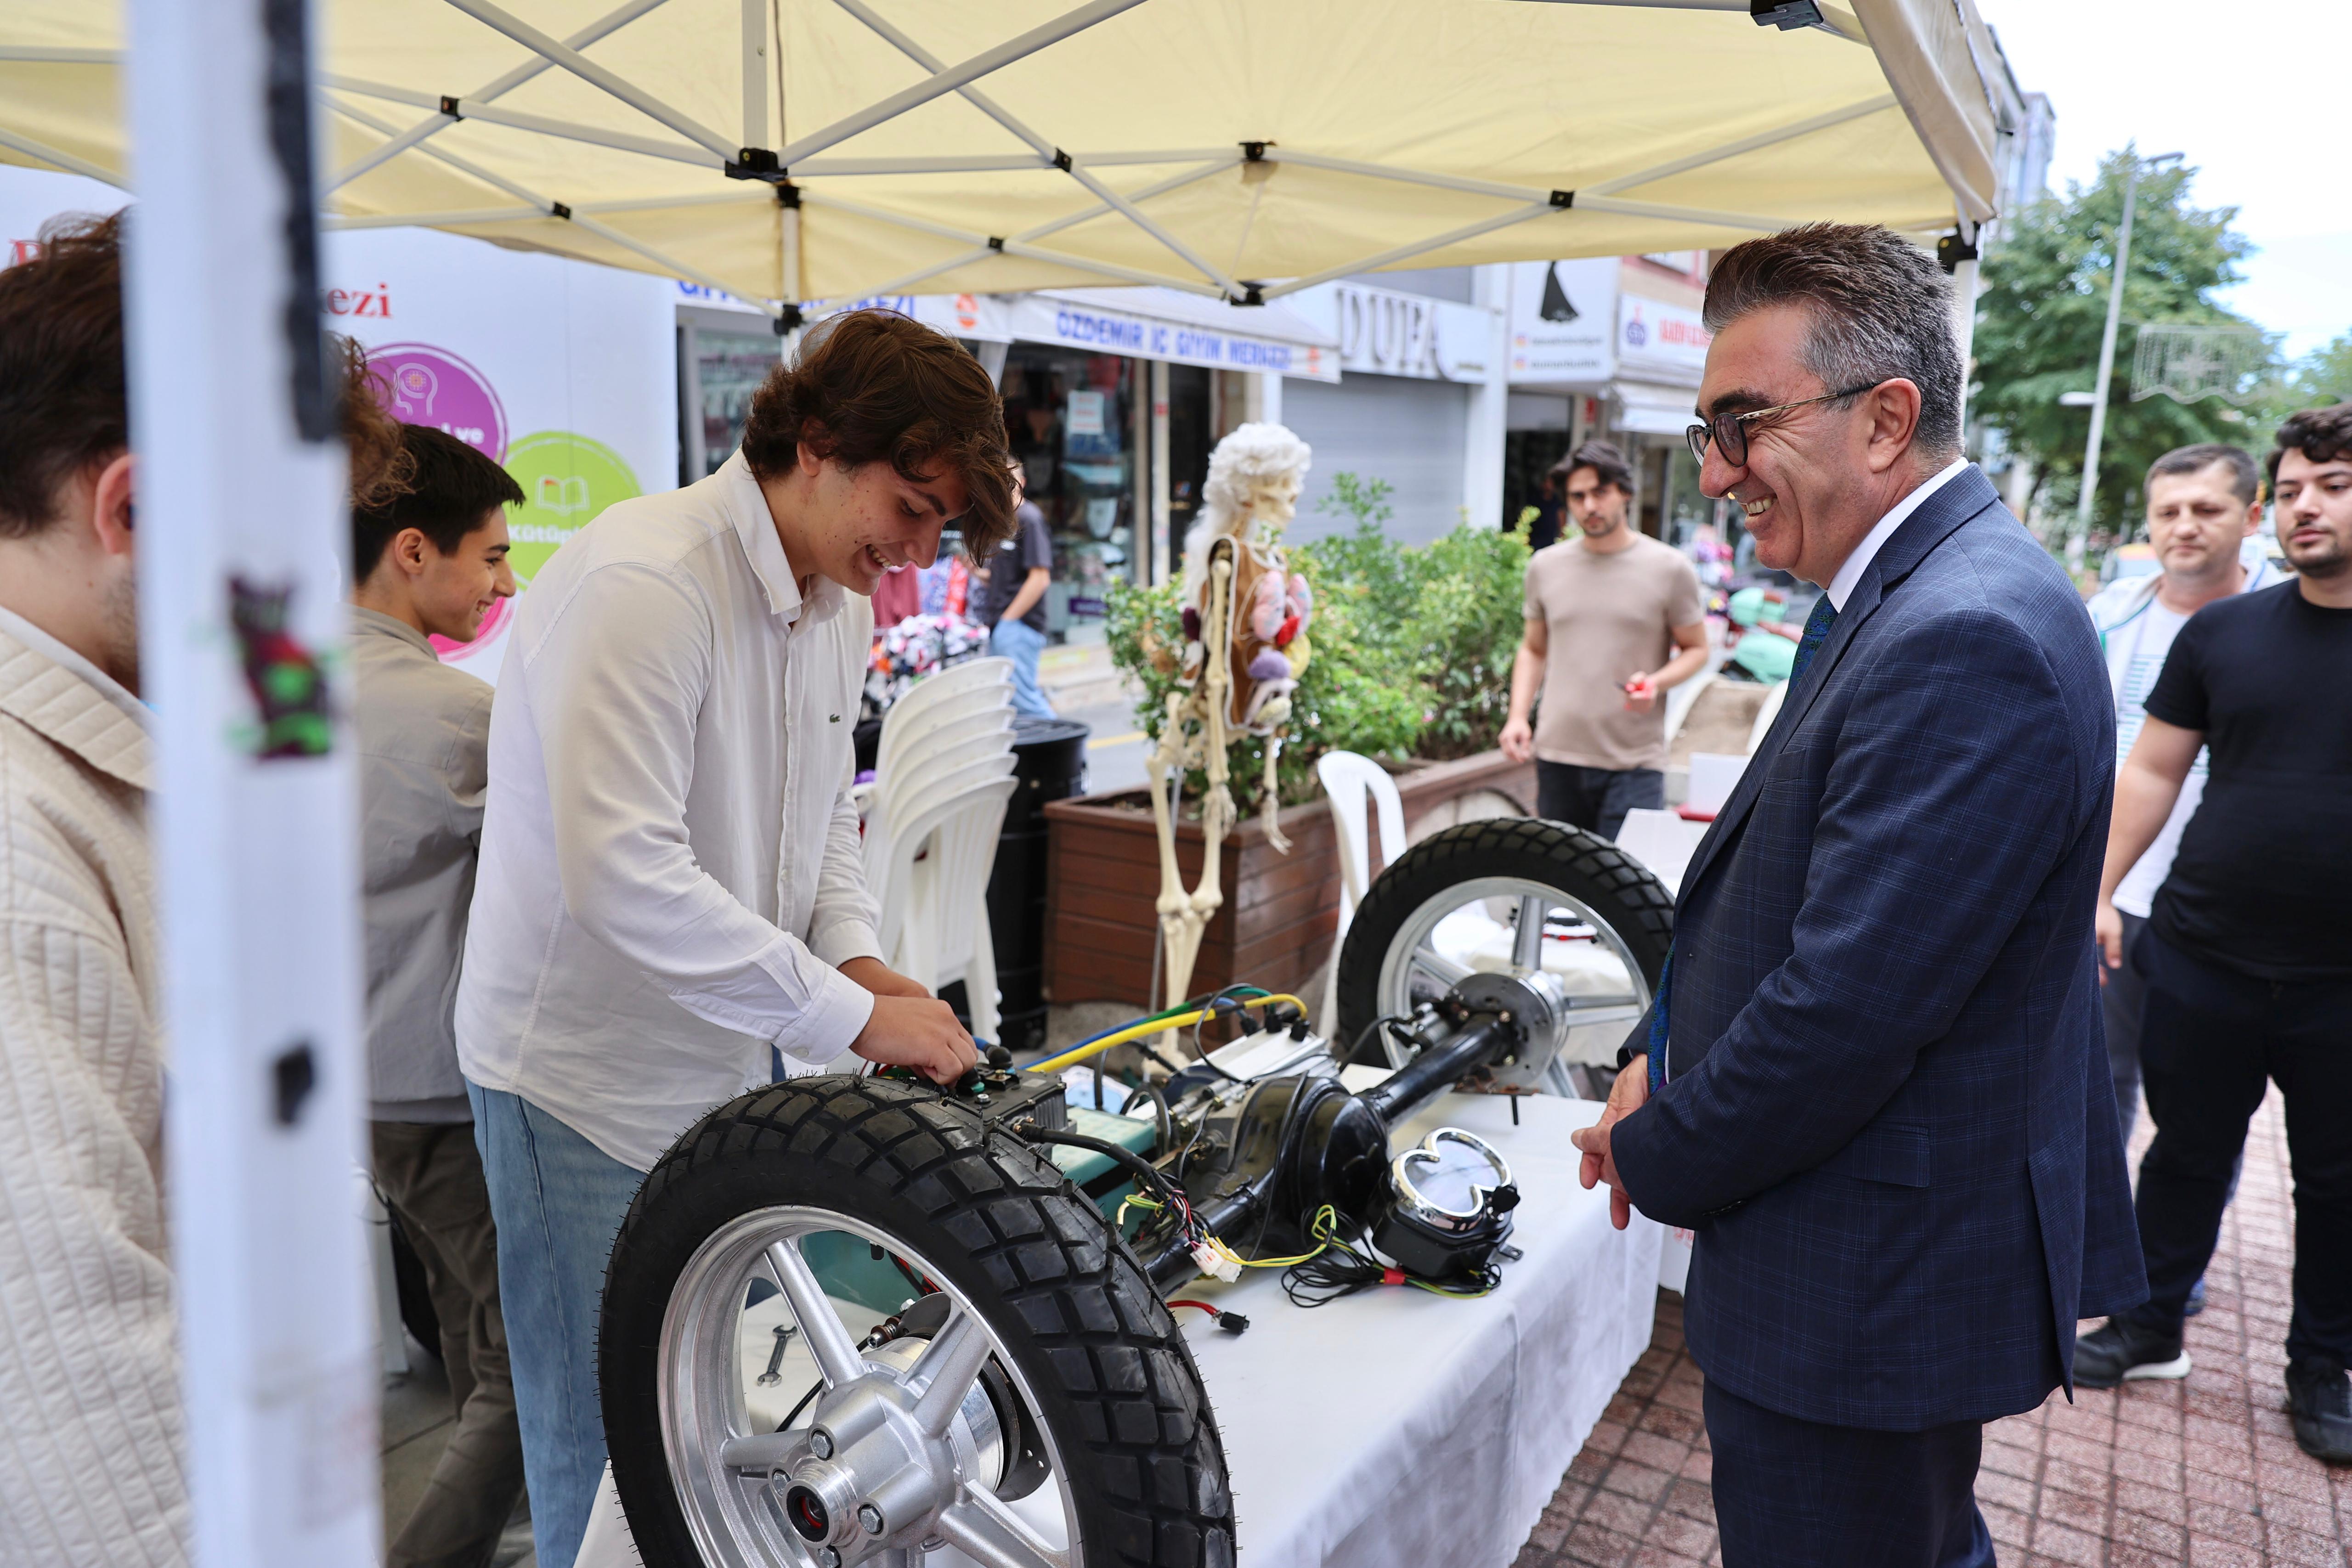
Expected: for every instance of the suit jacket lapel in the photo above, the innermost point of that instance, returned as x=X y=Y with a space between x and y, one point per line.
x=1965 y=495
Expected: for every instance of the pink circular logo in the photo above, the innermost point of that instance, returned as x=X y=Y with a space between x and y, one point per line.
x=425 y=385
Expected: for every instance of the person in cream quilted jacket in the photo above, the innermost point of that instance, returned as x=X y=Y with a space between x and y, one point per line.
x=90 y=1432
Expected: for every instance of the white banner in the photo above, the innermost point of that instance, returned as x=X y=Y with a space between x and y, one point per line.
x=1563 y=318
x=563 y=372
x=1659 y=342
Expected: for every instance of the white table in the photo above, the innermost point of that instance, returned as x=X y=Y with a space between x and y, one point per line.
x=1396 y=1427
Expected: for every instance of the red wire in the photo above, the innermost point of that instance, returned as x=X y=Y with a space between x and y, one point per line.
x=1204 y=1306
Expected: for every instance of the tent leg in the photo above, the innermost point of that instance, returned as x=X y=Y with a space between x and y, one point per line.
x=241 y=497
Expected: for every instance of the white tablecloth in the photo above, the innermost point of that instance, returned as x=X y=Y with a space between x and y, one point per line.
x=1397 y=1429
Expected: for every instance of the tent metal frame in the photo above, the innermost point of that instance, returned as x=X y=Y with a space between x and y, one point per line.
x=684 y=139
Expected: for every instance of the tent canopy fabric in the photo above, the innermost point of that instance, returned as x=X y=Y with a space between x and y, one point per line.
x=1233 y=149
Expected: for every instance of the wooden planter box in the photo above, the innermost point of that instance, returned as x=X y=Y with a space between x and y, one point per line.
x=1275 y=927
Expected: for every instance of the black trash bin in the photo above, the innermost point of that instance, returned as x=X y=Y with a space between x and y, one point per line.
x=1049 y=764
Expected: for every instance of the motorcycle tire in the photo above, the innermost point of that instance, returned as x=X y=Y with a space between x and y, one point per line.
x=1114 y=1383
x=1614 y=886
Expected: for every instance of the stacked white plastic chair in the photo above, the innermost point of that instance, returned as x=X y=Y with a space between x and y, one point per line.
x=1350 y=782
x=942 y=773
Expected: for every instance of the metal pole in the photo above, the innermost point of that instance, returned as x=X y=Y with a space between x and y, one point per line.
x=241 y=513
x=2077 y=540
x=2080 y=539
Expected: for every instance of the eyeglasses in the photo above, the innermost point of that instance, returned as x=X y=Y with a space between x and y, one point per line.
x=1729 y=431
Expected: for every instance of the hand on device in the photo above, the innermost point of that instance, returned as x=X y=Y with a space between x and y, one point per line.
x=918 y=1032
x=1625 y=1097
x=1519 y=740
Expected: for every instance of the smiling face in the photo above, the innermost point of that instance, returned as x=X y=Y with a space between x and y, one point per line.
x=2315 y=515
x=1816 y=478
x=2195 y=522
x=453 y=592
x=854 y=523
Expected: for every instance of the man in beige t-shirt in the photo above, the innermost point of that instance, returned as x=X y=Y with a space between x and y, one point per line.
x=1615 y=619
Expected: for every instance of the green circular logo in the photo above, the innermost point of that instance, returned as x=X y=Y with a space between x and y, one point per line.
x=566 y=480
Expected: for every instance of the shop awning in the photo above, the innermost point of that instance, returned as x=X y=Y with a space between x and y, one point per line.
x=785 y=149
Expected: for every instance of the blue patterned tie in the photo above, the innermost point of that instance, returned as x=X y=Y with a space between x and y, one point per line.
x=1817 y=632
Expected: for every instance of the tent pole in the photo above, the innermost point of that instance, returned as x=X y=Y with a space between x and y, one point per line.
x=1754 y=143
x=1009 y=246
x=943 y=83
x=1622 y=207
x=241 y=494
x=1418 y=247
x=498 y=87
x=1020 y=128
x=755 y=73
x=66 y=161
x=589 y=71
x=569 y=131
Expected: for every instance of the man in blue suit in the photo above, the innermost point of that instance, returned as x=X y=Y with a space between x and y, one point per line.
x=1873 y=1081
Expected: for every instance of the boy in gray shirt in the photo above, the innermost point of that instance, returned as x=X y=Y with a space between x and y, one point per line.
x=434 y=562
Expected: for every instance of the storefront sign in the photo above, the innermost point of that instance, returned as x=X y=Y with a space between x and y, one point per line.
x=1388 y=332
x=1102 y=330
x=1662 y=341
x=1562 y=315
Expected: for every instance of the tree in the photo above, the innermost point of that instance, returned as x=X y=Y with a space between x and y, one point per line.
x=2324 y=376
x=2040 y=320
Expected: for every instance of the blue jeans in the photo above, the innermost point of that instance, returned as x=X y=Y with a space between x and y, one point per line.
x=1022 y=643
x=557 y=1201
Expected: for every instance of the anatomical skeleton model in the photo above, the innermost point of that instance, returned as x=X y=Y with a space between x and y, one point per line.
x=1245 y=616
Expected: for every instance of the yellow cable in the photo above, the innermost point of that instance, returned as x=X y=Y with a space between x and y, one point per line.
x=1154 y=1026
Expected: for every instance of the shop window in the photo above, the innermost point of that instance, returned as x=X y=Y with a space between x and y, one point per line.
x=1070 y=416
x=727 y=369
x=1528 y=457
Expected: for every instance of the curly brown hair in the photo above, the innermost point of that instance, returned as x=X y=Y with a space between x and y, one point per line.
x=382 y=467
x=874 y=386
x=2321 y=434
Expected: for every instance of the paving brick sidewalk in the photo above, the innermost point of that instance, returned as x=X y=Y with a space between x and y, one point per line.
x=2202 y=1472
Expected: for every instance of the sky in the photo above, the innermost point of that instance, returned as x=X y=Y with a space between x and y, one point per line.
x=2253 y=91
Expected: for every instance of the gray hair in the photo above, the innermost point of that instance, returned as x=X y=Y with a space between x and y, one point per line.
x=1880 y=308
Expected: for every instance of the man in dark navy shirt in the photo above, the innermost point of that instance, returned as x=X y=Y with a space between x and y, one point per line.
x=2247 y=949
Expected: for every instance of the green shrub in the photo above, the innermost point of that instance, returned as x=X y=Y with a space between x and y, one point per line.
x=1413 y=646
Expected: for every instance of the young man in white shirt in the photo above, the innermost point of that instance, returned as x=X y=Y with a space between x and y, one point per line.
x=670 y=885
x=2204 y=509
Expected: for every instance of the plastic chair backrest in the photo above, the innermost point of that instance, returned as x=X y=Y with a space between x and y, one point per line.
x=954 y=692
x=1348 y=780
x=907 y=796
x=935 y=909
x=953 y=734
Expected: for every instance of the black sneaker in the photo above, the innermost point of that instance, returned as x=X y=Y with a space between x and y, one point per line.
x=2122 y=1351
x=2319 y=1398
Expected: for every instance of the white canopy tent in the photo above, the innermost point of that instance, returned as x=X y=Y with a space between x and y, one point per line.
x=788 y=150
x=784 y=150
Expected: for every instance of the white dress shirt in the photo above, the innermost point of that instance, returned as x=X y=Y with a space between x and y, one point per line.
x=1842 y=582
x=670 y=873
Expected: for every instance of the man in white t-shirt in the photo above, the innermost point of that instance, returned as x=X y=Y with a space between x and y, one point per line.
x=2204 y=510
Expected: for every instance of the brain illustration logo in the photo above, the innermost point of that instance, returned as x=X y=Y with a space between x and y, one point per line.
x=423 y=384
